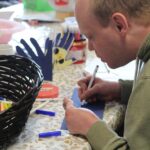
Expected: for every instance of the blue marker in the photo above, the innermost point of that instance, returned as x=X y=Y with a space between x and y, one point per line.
x=44 y=112
x=50 y=134
x=1 y=98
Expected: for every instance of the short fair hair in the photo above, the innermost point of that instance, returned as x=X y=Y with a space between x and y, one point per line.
x=139 y=10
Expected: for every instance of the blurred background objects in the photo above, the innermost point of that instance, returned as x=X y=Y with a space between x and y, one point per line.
x=6 y=3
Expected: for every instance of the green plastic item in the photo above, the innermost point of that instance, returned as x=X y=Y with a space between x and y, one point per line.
x=37 y=5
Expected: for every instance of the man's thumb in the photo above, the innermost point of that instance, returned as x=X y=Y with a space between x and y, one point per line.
x=67 y=103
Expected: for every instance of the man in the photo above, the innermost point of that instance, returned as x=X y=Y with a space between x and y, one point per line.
x=118 y=31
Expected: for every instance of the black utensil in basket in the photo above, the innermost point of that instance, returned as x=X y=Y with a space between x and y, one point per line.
x=20 y=82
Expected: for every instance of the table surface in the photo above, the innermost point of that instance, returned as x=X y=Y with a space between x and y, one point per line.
x=66 y=79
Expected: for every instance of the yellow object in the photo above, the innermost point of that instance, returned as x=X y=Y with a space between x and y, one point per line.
x=4 y=105
x=59 y=57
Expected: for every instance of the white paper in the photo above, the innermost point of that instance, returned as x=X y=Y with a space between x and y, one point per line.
x=125 y=72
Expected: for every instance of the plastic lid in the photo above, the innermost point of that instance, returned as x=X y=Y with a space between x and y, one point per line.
x=48 y=91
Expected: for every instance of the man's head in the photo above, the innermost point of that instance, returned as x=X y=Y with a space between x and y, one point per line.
x=139 y=10
x=114 y=28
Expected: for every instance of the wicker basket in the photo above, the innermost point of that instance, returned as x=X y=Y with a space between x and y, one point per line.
x=20 y=81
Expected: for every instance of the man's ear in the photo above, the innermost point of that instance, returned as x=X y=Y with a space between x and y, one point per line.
x=120 y=23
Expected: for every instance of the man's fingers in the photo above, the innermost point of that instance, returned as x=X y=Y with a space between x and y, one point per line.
x=83 y=83
x=67 y=103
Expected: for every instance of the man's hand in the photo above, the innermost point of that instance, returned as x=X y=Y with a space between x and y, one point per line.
x=100 y=90
x=79 y=120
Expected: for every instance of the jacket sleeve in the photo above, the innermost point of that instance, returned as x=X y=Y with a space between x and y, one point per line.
x=101 y=137
x=126 y=89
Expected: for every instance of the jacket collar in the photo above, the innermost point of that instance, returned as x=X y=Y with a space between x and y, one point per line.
x=144 y=51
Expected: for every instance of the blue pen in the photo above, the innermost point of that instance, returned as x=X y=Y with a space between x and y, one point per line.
x=44 y=112
x=50 y=134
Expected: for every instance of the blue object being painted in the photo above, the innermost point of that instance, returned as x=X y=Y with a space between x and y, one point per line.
x=97 y=107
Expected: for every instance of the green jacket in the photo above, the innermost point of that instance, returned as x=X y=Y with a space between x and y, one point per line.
x=137 y=118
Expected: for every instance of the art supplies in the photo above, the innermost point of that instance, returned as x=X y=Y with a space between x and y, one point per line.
x=39 y=107
x=79 y=45
x=50 y=134
x=4 y=105
x=107 y=73
x=63 y=43
x=96 y=107
x=43 y=59
x=45 y=112
x=48 y=90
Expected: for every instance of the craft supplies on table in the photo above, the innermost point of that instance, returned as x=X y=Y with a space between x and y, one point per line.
x=20 y=82
x=66 y=80
x=45 y=112
x=42 y=58
x=40 y=105
x=79 y=45
x=4 y=105
x=97 y=107
x=48 y=90
x=50 y=134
